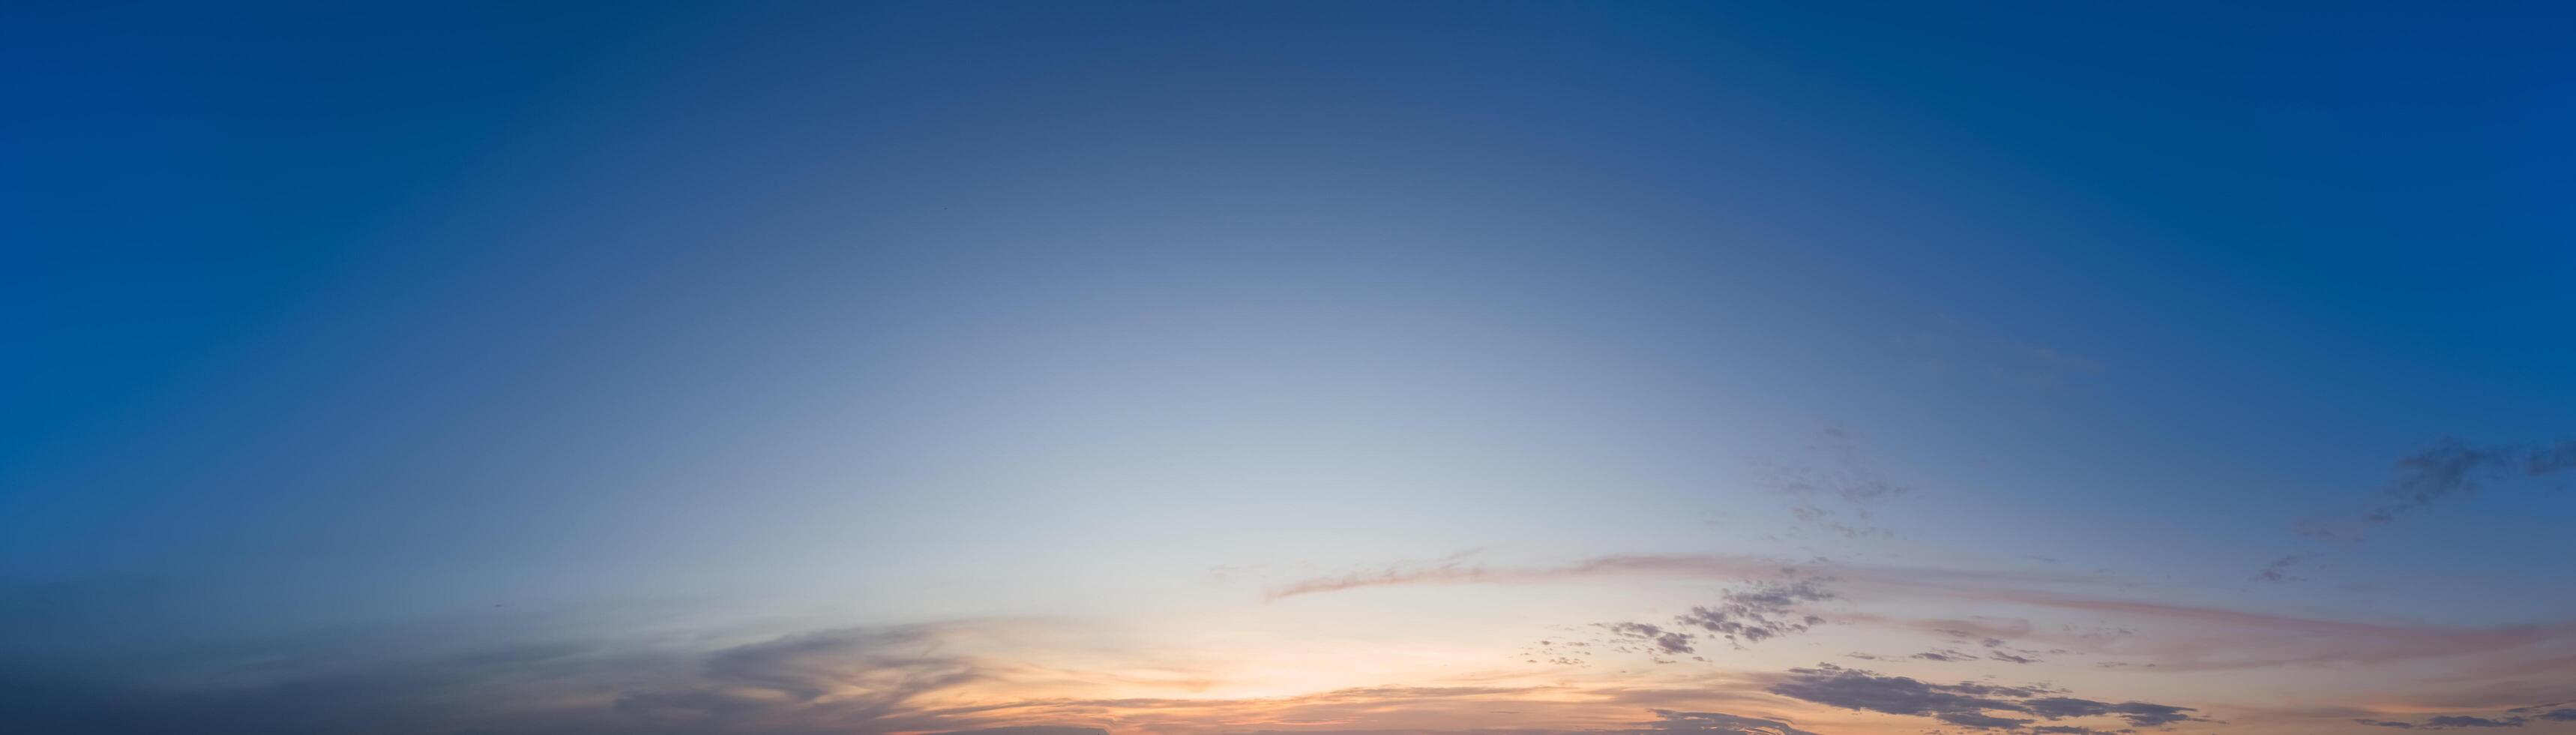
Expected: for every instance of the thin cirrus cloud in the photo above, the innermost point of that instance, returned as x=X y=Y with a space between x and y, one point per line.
x=1831 y=489
x=2516 y=717
x=1694 y=566
x=2448 y=469
x=2191 y=637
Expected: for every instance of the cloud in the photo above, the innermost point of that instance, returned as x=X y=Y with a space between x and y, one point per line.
x=1746 y=615
x=2455 y=721
x=2189 y=637
x=1664 y=641
x=1834 y=477
x=1967 y=704
x=2516 y=717
x=1715 y=723
x=1949 y=345
x=855 y=681
x=2278 y=570
x=2449 y=468
x=1450 y=572
x=2550 y=459
x=1767 y=610
x=1690 y=566
x=1666 y=722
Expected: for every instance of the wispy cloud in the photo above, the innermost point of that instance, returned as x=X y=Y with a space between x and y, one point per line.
x=2193 y=637
x=2516 y=717
x=1949 y=345
x=1693 y=566
x=1462 y=572
x=2448 y=469
x=2279 y=569
x=1831 y=489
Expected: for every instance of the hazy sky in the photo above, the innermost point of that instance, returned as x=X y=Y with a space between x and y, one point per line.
x=1191 y=369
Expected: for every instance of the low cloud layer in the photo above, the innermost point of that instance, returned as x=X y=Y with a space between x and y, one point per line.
x=1670 y=722
x=1965 y=704
x=854 y=681
x=2516 y=717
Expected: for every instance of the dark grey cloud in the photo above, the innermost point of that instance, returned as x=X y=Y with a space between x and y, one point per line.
x=1663 y=641
x=2516 y=717
x=1764 y=611
x=2450 y=468
x=2141 y=714
x=2456 y=721
x=1746 y=615
x=2014 y=658
x=1946 y=655
x=1966 y=704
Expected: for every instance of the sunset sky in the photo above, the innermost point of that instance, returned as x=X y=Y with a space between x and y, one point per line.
x=1606 y=368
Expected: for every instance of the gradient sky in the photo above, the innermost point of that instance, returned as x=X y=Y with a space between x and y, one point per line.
x=1190 y=369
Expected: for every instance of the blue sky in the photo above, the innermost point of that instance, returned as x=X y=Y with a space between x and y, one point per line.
x=541 y=342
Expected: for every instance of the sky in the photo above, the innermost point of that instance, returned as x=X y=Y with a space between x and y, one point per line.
x=1343 y=368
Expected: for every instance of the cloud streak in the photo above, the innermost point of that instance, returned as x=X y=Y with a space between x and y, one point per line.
x=1965 y=704
x=2448 y=469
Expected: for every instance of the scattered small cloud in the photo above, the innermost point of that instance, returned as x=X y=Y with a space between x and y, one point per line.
x=1661 y=640
x=1767 y=610
x=1831 y=489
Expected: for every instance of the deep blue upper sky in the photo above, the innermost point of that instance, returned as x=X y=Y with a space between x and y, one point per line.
x=355 y=314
